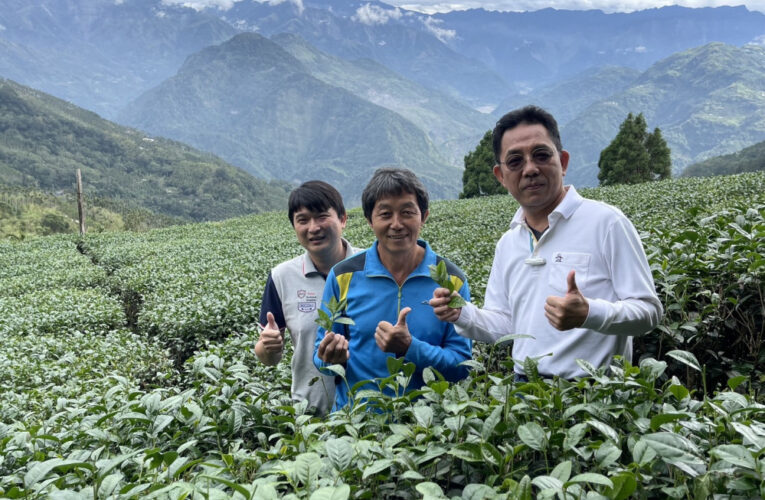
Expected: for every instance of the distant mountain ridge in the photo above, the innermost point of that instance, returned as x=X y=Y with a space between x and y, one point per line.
x=707 y=101
x=255 y=105
x=44 y=140
x=100 y=54
x=451 y=124
x=526 y=48
x=409 y=49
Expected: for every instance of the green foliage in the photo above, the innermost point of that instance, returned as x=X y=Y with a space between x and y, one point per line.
x=750 y=159
x=441 y=276
x=43 y=141
x=26 y=212
x=336 y=314
x=634 y=156
x=478 y=177
x=92 y=404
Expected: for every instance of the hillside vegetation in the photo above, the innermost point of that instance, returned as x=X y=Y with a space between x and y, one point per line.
x=751 y=159
x=26 y=212
x=44 y=140
x=127 y=370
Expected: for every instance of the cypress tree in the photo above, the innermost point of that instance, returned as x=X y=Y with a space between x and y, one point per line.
x=478 y=177
x=634 y=155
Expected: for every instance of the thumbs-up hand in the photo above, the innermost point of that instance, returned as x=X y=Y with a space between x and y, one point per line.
x=569 y=311
x=394 y=338
x=271 y=337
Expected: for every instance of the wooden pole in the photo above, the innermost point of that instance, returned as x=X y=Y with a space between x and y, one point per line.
x=80 y=206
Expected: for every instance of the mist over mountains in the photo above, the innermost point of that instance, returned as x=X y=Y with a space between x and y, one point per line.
x=336 y=89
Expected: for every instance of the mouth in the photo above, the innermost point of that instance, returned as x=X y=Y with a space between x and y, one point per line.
x=533 y=187
x=316 y=239
x=397 y=236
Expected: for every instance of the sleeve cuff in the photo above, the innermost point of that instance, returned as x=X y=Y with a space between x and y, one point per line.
x=596 y=316
x=466 y=317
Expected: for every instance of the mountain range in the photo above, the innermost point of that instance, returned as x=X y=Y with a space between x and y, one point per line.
x=707 y=101
x=252 y=103
x=337 y=88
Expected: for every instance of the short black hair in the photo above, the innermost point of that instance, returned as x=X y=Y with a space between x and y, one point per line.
x=531 y=115
x=316 y=196
x=393 y=182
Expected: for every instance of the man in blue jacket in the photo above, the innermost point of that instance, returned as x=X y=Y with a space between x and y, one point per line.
x=385 y=287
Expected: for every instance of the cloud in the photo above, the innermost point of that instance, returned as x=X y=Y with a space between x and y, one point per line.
x=202 y=4
x=372 y=14
x=225 y=4
x=431 y=24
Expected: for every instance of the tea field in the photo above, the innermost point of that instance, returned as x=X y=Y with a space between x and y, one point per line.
x=127 y=370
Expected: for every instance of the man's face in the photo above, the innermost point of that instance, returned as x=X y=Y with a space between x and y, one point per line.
x=531 y=168
x=396 y=222
x=318 y=232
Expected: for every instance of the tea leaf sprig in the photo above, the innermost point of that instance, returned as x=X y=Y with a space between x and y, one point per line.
x=336 y=310
x=441 y=276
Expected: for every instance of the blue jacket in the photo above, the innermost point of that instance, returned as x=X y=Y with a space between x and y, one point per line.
x=373 y=296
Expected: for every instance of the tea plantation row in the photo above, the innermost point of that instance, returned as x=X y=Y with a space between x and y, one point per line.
x=126 y=370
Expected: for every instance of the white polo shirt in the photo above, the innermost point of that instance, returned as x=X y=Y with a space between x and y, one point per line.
x=612 y=272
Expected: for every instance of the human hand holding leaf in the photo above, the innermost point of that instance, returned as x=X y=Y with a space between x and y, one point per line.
x=441 y=276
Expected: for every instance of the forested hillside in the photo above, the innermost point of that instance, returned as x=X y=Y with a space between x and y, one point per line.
x=751 y=159
x=43 y=140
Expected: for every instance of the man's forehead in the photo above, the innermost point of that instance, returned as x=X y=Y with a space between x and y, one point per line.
x=526 y=136
x=307 y=211
x=401 y=199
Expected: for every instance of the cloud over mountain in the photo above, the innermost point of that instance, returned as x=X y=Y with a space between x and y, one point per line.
x=373 y=14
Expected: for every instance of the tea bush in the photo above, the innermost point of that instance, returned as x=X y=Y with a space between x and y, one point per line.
x=92 y=404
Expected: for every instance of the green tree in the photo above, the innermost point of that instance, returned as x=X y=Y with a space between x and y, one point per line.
x=634 y=155
x=478 y=177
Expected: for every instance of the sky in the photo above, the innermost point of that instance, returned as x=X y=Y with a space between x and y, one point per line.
x=431 y=6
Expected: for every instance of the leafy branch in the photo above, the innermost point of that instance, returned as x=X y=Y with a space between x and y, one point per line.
x=336 y=314
x=441 y=276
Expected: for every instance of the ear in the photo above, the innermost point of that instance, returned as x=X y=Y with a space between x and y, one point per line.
x=343 y=220
x=425 y=216
x=564 y=157
x=498 y=172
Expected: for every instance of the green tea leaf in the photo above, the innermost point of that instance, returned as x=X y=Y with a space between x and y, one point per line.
x=341 y=492
x=533 y=435
x=685 y=357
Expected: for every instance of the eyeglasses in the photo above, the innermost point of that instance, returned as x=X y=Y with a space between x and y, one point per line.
x=540 y=157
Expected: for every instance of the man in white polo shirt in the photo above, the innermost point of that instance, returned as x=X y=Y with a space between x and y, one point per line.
x=294 y=289
x=570 y=272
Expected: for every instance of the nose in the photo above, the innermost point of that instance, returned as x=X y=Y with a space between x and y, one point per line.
x=396 y=222
x=313 y=225
x=530 y=168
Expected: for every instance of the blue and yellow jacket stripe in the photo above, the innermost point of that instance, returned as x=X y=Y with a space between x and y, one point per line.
x=372 y=296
